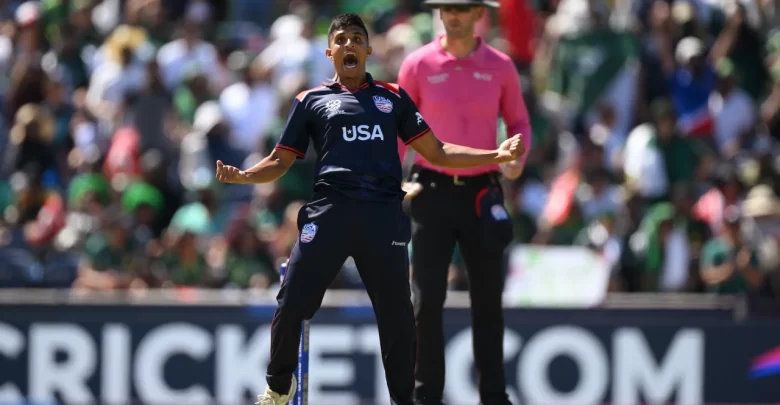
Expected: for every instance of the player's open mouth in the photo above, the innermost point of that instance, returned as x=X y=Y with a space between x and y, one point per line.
x=350 y=61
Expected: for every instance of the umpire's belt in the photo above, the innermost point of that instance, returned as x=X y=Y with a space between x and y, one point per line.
x=426 y=176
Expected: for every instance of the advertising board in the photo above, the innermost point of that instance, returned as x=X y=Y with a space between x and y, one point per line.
x=115 y=355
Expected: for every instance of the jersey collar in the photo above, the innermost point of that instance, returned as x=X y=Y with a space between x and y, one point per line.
x=477 y=56
x=334 y=84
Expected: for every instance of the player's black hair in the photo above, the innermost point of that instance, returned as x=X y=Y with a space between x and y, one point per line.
x=342 y=21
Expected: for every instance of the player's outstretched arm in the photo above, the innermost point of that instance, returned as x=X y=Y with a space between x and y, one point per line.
x=269 y=169
x=459 y=157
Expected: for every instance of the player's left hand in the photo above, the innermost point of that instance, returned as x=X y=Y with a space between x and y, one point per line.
x=511 y=149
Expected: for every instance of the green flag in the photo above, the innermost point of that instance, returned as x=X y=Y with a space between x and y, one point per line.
x=586 y=64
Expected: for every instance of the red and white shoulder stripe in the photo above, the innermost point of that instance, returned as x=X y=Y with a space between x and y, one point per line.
x=393 y=87
x=302 y=95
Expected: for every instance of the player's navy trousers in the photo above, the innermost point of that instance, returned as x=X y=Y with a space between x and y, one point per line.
x=468 y=211
x=375 y=234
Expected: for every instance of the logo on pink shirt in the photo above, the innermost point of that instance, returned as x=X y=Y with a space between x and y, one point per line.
x=483 y=76
x=436 y=79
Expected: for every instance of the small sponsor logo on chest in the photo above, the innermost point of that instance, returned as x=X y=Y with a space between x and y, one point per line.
x=440 y=78
x=485 y=77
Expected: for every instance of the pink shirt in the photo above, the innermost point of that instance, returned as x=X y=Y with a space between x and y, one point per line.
x=461 y=99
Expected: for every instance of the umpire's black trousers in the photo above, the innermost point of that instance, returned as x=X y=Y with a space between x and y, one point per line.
x=468 y=211
x=332 y=228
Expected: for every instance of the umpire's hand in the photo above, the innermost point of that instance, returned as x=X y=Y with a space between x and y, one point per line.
x=511 y=149
x=514 y=168
x=230 y=174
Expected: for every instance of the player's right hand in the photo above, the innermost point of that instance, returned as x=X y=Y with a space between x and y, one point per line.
x=229 y=174
x=511 y=149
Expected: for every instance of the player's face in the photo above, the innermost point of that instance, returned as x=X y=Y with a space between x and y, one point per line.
x=459 y=21
x=349 y=50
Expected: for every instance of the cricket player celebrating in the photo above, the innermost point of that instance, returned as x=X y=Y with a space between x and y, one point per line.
x=352 y=122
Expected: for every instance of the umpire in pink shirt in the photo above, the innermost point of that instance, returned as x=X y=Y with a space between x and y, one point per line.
x=461 y=86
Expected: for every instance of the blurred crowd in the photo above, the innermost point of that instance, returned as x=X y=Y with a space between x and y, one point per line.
x=658 y=142
x=656 y=129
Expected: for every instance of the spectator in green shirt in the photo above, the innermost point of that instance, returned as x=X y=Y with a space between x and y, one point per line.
x=681 y=155
x=248 y=263
x=668 y=244
x=110 y=259
x=728 y=265
x=183 y=262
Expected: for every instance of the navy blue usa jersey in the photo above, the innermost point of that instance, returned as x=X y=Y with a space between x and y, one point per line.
x=354 y=134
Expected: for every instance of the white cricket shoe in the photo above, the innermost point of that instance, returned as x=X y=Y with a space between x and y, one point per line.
x=273 y=398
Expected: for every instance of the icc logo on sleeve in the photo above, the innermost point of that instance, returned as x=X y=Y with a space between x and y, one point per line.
x=419 y=118
x=383 y=104
x=308 y=232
